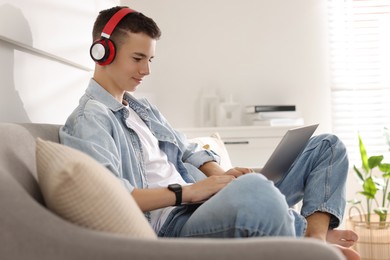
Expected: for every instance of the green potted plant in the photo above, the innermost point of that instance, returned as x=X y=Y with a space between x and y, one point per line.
x=372 y=223
x=375 y=184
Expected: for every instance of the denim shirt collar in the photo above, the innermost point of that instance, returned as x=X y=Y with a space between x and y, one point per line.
x=97 y=92
x=137 y=106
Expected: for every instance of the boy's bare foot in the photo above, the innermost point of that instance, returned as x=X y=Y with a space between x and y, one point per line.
x=342 y=240
x=349 y=253
x=345 y=238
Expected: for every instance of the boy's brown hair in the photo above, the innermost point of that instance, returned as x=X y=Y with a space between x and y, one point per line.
x=134 y=22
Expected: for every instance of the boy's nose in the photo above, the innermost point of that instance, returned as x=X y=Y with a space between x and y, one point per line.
x=145 y=70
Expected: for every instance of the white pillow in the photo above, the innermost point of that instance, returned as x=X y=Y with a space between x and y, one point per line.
x=81 y=190
x=215 y=143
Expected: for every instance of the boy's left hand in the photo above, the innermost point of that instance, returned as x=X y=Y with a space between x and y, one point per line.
x=238 y=171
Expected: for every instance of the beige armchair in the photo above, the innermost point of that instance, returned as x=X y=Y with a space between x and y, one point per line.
x=29 y=230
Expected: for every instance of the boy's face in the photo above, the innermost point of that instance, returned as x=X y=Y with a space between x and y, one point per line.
x=130 y=66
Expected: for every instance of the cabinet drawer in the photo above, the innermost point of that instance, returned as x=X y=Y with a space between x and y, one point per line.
x=250 y=152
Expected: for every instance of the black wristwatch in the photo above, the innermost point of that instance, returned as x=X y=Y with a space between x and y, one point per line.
x=177 y=189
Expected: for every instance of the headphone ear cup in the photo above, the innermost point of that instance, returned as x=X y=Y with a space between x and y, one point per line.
x=103 y=51
x=110 y=52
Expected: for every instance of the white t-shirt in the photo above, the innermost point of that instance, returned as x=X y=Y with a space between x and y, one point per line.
x=159 y=171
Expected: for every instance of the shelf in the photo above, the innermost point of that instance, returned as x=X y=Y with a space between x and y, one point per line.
x=44 y=54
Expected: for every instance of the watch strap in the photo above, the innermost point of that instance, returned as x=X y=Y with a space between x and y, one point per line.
x=178 y=190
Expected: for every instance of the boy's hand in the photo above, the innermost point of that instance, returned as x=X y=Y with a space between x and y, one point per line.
x=206 y=188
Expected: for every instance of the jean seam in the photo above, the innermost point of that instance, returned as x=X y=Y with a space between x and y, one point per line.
x=226 y=229
x=328 y=172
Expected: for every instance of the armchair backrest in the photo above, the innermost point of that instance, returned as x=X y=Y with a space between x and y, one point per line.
x=17 y=156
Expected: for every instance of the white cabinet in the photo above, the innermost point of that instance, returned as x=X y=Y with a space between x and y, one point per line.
x=248 y=146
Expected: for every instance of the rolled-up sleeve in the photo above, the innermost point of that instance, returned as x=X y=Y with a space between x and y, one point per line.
x=199 y=156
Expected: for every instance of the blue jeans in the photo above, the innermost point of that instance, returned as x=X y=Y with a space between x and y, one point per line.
x=251 y=205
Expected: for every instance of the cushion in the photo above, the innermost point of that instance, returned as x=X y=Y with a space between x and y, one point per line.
x=81 y=190
x=215 y=143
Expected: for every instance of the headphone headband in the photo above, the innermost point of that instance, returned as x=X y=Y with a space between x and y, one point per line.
x=114 y=20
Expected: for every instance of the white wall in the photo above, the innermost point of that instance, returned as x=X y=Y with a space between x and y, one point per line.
x=45 y=64
x=262 y=52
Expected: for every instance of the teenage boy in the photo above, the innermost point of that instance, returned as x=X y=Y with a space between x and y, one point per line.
x=169 y=177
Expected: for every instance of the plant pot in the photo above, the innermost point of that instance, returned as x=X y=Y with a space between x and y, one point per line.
x=374 y=237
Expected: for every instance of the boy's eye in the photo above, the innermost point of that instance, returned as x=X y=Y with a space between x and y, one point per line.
x=139 y=59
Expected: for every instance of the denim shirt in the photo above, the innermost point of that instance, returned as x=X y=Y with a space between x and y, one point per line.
x=99 y=128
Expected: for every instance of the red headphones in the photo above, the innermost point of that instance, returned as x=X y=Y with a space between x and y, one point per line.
x=103 y=50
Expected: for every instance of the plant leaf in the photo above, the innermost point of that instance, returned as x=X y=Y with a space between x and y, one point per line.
x=354 y=201
x=381 y=212
x=367 y=194
x=363 y=154
x=374 y=161
x=385 y=167
x=358 y=173
x=369 y=188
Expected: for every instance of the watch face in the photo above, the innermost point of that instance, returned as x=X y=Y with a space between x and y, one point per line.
x=175 y=187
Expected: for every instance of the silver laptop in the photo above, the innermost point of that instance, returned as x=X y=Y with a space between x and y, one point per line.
x=285 y=153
